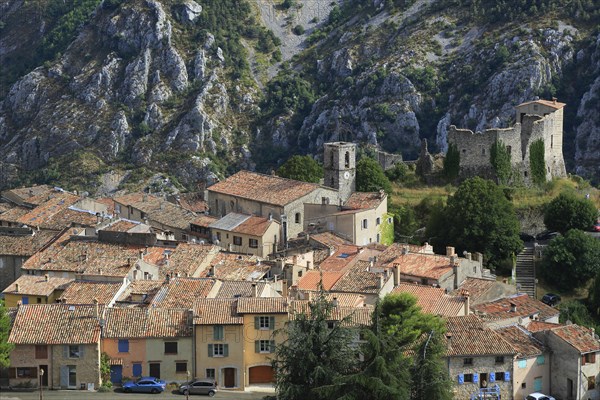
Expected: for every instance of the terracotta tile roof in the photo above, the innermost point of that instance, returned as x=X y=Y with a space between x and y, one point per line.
x=339 y=260
x=523 y=342
x=181 y=292
x=554 y=104
x=310 y=280
x=536 y=326
x=358 y=279
x=254 y=226
x=423 y=265
x=356 y=315
x=187 y=258
x=49 y=214
x=5 y=207
x=55 y=324
x=14 y=214
x=192 y=202
x=468 y=335
x=231 y=289
x=525 y=307
x=25 y=245
x=159 y=210
x=147 y=323
x=329 y=239
x=346 y=299
x=37 y=285
x=28 y=193
x=216 y=312
x=121 y=225
x=365 y=200
x=236 y=267
x=476 y=287
x=204 y=220
x=263 y=188
x=84 y=292
x=262 y=305
x=142 y=288
x=580 y=337
x=69 y=217
x=433 y=300
x=395 y=250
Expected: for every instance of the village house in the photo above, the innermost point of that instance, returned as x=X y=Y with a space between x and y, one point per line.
x=30 y=289
x=91 y=292
x=246 y=234
x=436 y=301
x=516 y=309
x=61 y=339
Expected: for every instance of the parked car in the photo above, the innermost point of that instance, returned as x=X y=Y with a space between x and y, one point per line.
x=551 y=299
x=145 y=384
x=526 y=237
x=596 y=227
x=539 y=396
x=546 y=235
x=201 y=386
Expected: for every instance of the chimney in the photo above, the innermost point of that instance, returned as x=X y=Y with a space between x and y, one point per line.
x=334 y=302
x=396 y=271
x=96 y=304
x=142 y=255
x=167 y=278
x=381 y=282
x=449 y=339
x=513 y=307
x=254 y=290
x=468 y=256
x=467 y=297
x=405 y=249
x=46 y=278
x=554 y=100
x=284 y=288
x=449 y=251
x=98 y=218
x=17 y=287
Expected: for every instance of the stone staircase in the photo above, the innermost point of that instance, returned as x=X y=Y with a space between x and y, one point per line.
x=525 y=272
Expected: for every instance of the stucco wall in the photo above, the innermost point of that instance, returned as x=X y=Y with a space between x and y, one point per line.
x=155 y=353
x=135 y=355
x=528 y=374
x=233 y=336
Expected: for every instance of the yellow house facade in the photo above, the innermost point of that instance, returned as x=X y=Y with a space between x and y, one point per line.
x=246 y=234
x=32 y=289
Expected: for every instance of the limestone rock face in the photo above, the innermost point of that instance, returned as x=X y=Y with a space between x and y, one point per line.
x=188 y=11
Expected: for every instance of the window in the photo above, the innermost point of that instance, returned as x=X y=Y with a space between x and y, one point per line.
x=181 y=367
x=390 y=220
x=509 y=149
x=218 y=350
x=324 y=200
x=483 y=151
x=588 y=358
x=591 y=382
x=136 y=369
x=541 y=360
x=347 y=160
x=264 y=346
x=365 y=224
x=123 y=346
x=551 y=141
x=210 y=373
x=237 y=240
x=499 y=375
x=232 y=204
x=218 y=332
x=219 y=236
x=41 y=352
x=537 y=384
x=499 y=359
x=300 y=274
x=468 y=378
x=253 y=243
x=523 y=385
x=24 y=300
x=467 y=361
x=298 y=218
x=170 y=347
x=522 y=364
x=264 y=322
x=73 y=351
x=39 y=300
x=26 y=373
x=378 y=221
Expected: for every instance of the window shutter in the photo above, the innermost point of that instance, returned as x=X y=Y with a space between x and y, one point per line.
x=137 y=370
x=593 y=360
x=541 y=360
x=12 y=373
x=81 y=350
x=271 y=346
x=475 y=377
x=461 y=379
x=225 y=350
x=492 y=377
x=583 y=360
x=210 y=350
x=33 y=372
x=507 y=376
x=66 y=351
x=256 y=323
x=257 y=346
x=271 y=323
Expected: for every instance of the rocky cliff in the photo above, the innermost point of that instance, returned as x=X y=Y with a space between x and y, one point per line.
x=197 y=88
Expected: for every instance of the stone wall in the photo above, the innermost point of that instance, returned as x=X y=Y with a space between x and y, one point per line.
x=481 y=365
x=388 y=160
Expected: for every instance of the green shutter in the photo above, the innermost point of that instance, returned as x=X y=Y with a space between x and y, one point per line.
x=210 y=350
x=271 y=323
x=66 y=351
x=218 y=332
x=271 y=346
x=225 y=350
x=257 y=346
x=256 y=323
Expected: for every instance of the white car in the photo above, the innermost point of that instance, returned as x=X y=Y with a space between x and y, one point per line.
x=539 y=396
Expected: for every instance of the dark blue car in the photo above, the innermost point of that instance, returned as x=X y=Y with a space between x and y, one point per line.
x=145 y=385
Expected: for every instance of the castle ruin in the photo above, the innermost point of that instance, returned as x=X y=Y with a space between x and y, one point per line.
x=538 y=119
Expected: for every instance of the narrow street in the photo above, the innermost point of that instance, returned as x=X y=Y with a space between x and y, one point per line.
x=85 y=395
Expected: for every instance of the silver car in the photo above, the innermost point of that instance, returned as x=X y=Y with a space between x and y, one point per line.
x=201 y=386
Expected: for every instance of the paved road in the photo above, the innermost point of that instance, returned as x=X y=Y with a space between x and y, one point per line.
x=84 y=395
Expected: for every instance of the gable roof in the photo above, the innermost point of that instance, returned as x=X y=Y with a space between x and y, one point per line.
x=27 y=194
x=424 y=265
x=554 y=104
x=536 y=326
x=25 y=245
x=433 y=300
x=525 y=307
x=84 y=292
x=254 y=226
x=231 y=289
x=56 y=324
x=159 y=209
x=216 y=312
x=579 y=337
x=181 y=292
x=468 y=336
x=358 y=279
x=310 y=280
x=232 y=266
x=262 y=305
x=147 y=323
x=37 y=285
x=523 y=342
x=365 y=200
x=339 y=260
x=263 y=188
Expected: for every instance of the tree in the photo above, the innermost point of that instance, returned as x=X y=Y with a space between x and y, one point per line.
x=478 y=217
x=370 y=176
x=567 y=211
x=313 y=355
x=500 y=160
x=430 y=372
x=452 y=163
x=571 y=260
x=537 y=162
x=301 y=168
x=5 y=347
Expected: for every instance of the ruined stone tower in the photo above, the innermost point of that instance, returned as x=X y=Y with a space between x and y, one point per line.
x=339 y=160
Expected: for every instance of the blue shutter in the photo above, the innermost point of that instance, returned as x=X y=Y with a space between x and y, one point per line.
x=24 y=300
x=123 y=346
x=541 y=360
x=475 y=377
x=537 y=384
x=137 y=370
x=461 y=379
x=492 y=377
x=507 y=376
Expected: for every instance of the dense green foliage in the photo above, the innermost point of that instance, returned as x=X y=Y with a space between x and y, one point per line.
x=301 y=168
x=451 y=163
x=478 y=217
x=430 y=371
x=286 y=93
x=567 y=211
x=105 y=370
x=500 y=160
x=5 y=347
x=370 y=176
x=312 y=355
x=571 y=260
x=576 y=312
x=537 y=162
x=510 y=10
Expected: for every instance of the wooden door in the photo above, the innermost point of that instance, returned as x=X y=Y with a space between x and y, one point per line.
x=229 y=377
x=155 y=370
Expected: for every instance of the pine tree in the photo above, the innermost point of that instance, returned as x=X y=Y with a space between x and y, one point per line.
x=5 y=347
x=429 y=373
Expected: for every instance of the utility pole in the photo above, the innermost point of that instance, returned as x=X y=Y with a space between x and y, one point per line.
x=41 y=380
x=187 y=392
